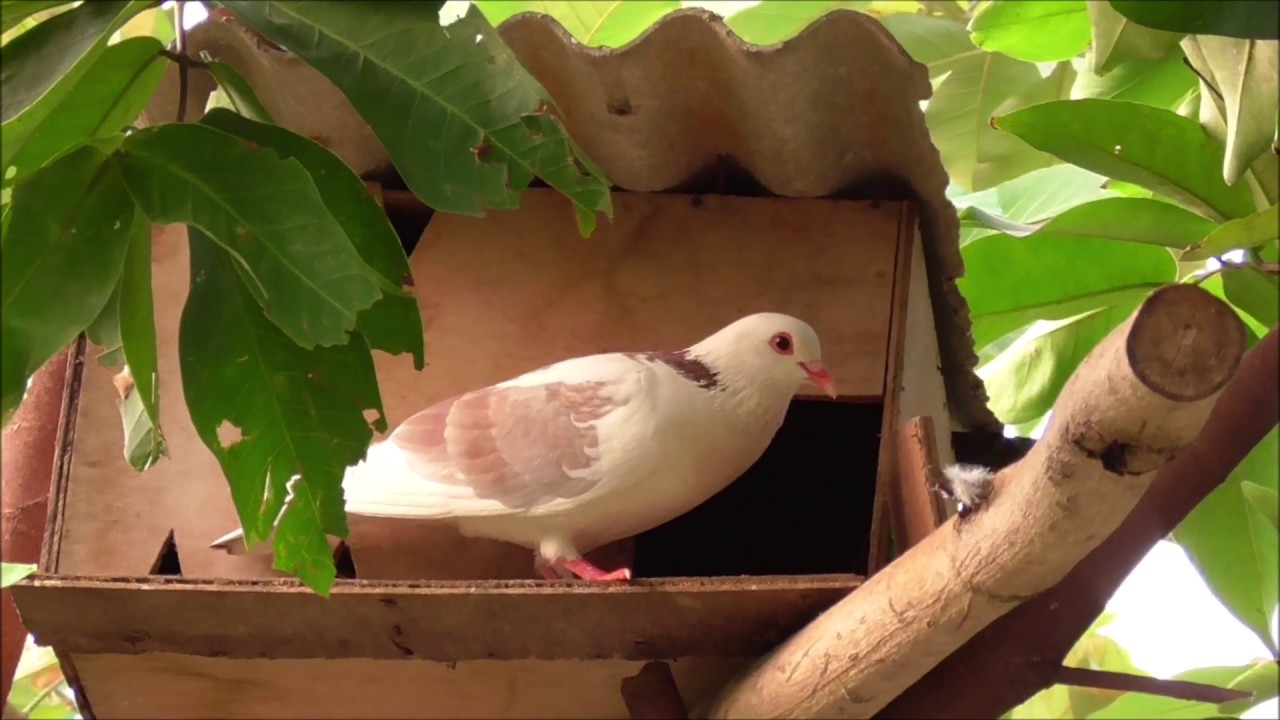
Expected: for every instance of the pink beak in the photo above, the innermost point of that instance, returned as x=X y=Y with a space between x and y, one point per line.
x=819 y=376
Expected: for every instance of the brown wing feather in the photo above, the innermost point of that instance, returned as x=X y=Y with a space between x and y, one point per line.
x=515 y=445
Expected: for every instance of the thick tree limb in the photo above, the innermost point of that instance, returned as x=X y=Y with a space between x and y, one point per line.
x=651 y=694
x=1181 y=689
x=1133 y=404
x=1029 y=643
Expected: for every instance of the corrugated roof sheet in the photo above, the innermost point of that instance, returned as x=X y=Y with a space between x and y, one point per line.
x=835 y=111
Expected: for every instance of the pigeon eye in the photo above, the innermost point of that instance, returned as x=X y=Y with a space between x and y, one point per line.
x=782 y=343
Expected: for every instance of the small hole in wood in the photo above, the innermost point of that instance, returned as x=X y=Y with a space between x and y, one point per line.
x=343 y=561
x=167 y=561
x=803 y=508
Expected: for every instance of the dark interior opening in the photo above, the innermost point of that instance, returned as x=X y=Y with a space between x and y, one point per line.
x=167 y=561
x=804 y=508
x=342 y=560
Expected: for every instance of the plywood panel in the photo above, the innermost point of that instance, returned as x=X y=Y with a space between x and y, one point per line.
x=165 y=685
x=499 y=296
x=442 y=621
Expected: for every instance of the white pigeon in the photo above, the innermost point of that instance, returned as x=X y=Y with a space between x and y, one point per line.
x=586 y=451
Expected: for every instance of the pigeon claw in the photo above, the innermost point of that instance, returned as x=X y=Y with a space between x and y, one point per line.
x=584 y=569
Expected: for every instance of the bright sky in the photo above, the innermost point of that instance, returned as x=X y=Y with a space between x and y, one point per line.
x=1166 y=617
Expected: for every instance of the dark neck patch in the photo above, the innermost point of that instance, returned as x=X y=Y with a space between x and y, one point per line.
x=688 y=366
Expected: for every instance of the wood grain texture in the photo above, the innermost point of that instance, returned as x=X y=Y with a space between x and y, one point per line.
x=1133 y=405
x=913 y=503
x=166 y=685
x=441 y=621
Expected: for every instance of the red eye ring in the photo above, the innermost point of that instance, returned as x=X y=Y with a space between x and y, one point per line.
x=782 y=343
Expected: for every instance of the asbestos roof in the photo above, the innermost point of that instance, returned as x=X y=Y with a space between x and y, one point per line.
x=832 y=112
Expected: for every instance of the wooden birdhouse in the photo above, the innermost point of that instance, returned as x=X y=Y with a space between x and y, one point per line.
x=797 y=178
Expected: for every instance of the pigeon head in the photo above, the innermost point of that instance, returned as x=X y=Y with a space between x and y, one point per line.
x=771 y=348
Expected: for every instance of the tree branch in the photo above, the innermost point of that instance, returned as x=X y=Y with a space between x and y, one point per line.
x=180 y=50
x=1029 y=644
x=1135 y=402
x=1180 y=689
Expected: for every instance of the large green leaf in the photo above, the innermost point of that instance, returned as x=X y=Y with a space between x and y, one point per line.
x=1265 y=500
x=265 y=210
x=1041 y=31
x=392 y=324
x=602 y=23
x=1232 y=18
x=140 y=408
x=1164 y=83
x=1263 y=680
x=109 y=95
x=936 y=43
x=1038 y=195
x=1024 y=381
x=1152 y=147
x=13 y=12
x=238 y=91
x=269 y=410
x=1013 y=281
x=773 y=21
x=1002 y=157
x=41 y=66
x=1254 y=291
x=1244 y=73
x=465 y=124
x=63 y=250
x=1118 y=40
x=1141 y=705
x=1250 y=232
x=1262 y=178
x=1220 y=542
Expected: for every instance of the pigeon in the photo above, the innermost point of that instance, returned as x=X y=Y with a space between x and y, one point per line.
x=590 y=450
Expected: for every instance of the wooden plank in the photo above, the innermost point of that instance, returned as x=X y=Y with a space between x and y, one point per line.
x=916 y=512
x=165 y=685
x=441 y=621
x=887 y=473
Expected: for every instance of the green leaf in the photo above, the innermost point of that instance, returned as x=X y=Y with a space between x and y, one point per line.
x=1155 y=148
x=1117 y=40
x=14 y=573
x=1254 y=330
x=1164 y=83
x=1263 y=680
x=1244 y=72
x=773 y=21
x=1012 y=281
x=238 y=91
x=1039 y=194
x=1041 y=31
x=392 y=324
x=104 y=332
x=936 y=43
x=1232 y=18
x=40 y=67
x=1002 y=157
x=69 y=228
x=594 y=23
x=465 y=124
x=13 y=12
x=107 y=97
x=1254 y=291
x=1220 y=542
x=269 y=410
x=1024 y=381
x=1265 y=501
x=267 y=212
x=140 y=408
x=1250 y=232
x=1141 y=705
x=1139 y=220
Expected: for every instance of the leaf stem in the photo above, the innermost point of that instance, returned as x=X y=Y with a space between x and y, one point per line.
x=1179 y=689
x=180 y=49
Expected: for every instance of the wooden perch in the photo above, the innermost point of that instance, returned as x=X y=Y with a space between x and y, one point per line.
x=1135 y=401
x=1029 y=643
x=651 y=694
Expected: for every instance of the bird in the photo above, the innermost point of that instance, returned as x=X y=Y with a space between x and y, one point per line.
x=589 y=450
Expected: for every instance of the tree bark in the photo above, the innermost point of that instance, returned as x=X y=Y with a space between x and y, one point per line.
x=1135 y=402
x=27 y=452
x=1029 y=643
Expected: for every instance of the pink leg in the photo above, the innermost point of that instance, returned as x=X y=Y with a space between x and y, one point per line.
x=587 y=571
